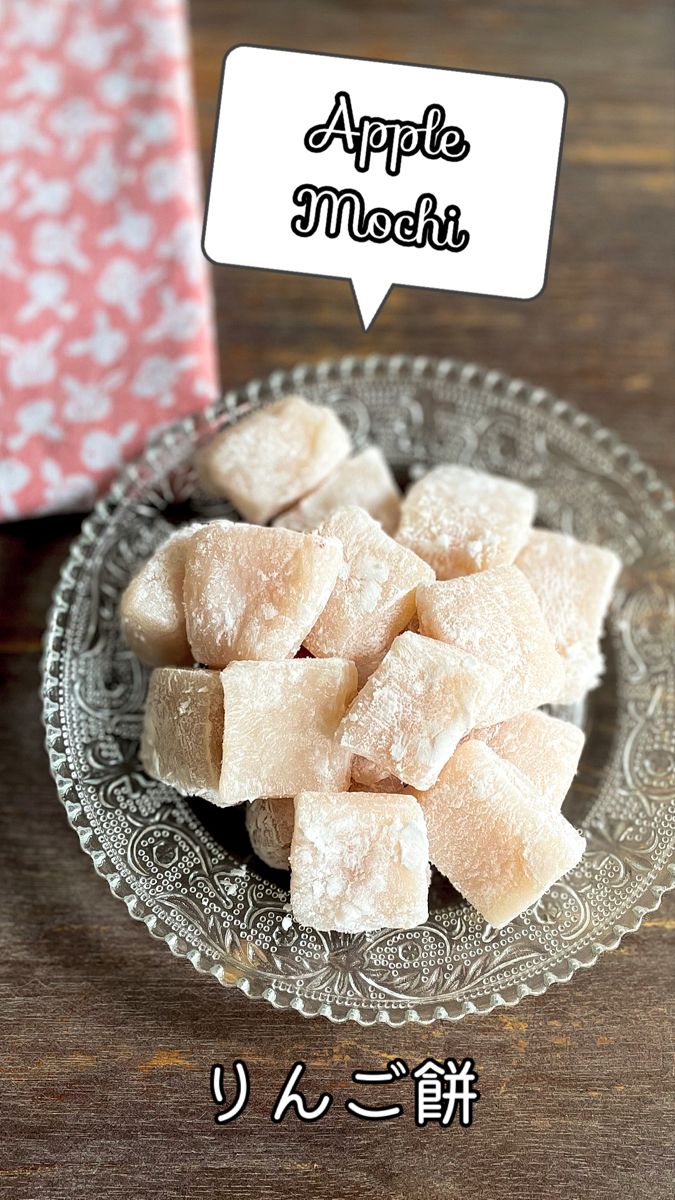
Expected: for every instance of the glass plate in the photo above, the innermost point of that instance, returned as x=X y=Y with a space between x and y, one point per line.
x=184 y=868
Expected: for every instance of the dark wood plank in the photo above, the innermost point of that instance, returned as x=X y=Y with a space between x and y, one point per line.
x=107 y=1041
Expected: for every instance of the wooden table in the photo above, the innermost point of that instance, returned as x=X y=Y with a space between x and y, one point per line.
x=107 y=1040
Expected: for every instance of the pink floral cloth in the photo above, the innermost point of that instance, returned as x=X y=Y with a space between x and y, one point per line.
x=106 y=330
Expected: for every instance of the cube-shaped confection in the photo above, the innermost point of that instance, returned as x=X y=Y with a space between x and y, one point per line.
x=182 y=737
x=364 y=480
x=366 y=777
x=491 y=835
x=151 y=609
x=495 y=616
x=269 y=824
x=573 y=582
x=255 y=593
x=272 y=457
x=374 y=596
x=461 y=520
x=545 y=749
x=359 y=862
x=280 y=724
x=416 y=706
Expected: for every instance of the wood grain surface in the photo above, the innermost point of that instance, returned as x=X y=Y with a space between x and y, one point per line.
x=107 y=1040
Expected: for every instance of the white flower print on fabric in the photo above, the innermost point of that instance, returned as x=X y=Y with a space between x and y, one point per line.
x=65 y=491
x=40 y=78
x=30 y=363
x=132 y=230
x=103 y=451
x=44 y=195
x=178 y=319
x=89 y=401
x=91 y=46
x=123 y=283
x=157 y=377
x=36 y=417
x=14 y=476
x=104 y=345
x=34 y=24
x=102 y=176
x=19 y=130
x=74 y=121
x=59 y=242
x=47 y=293
x=105 y=317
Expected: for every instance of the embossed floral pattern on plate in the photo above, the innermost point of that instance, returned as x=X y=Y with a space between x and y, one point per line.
x=183 y=868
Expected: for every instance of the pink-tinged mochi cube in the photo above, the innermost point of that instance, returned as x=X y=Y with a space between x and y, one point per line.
x=416 y=706
x=460 y=520
x=182 y=736
x=254 y=593
x=492 y=837
x=269 y=824
x=573 y=582
x=364 y=480
x=495 y=616
x=281 y=719
x=359 y=862
x=273 y=457
x=151 y=609
x=374 y=595
x=366 y=777
x=544 y=748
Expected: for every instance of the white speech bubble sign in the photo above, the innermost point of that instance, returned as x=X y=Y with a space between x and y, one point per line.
x=424 y=176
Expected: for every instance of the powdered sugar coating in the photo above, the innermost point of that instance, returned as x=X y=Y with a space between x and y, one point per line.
x=182 y=735
x=461 y=520
x=269 y=824
x=151 y=609
x=367 y=777
x=544 y=748
x=273 y=457
x=495 y=616
x=492 y=836
x=280 y=724
x=573 y=582
x=374 y=595
x=254 y=593
x=416 y=706
x=364 y=480
x=359 y=862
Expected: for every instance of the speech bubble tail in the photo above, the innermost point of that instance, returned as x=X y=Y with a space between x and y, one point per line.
x=370 y=295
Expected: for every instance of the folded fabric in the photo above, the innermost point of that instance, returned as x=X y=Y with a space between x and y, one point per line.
x=106 y=330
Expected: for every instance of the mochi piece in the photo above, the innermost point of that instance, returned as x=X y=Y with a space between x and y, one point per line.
x=491 y=835
x=182 y=735
x=573 y=582
x=366 y=777
x=151 y=608
x=495 y=616
x=255 y=593
x=374 y=596
x=273 y=456
x=359 y=862
x=269 y=823
x=544 y=748
x=280 y=724
x=416 y=706
x=460 y=520
x=364 y=480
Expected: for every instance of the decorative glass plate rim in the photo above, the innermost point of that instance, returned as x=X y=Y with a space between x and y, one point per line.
x=397 y=368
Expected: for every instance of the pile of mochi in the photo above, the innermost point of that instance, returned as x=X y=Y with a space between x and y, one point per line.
x=366 y=671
